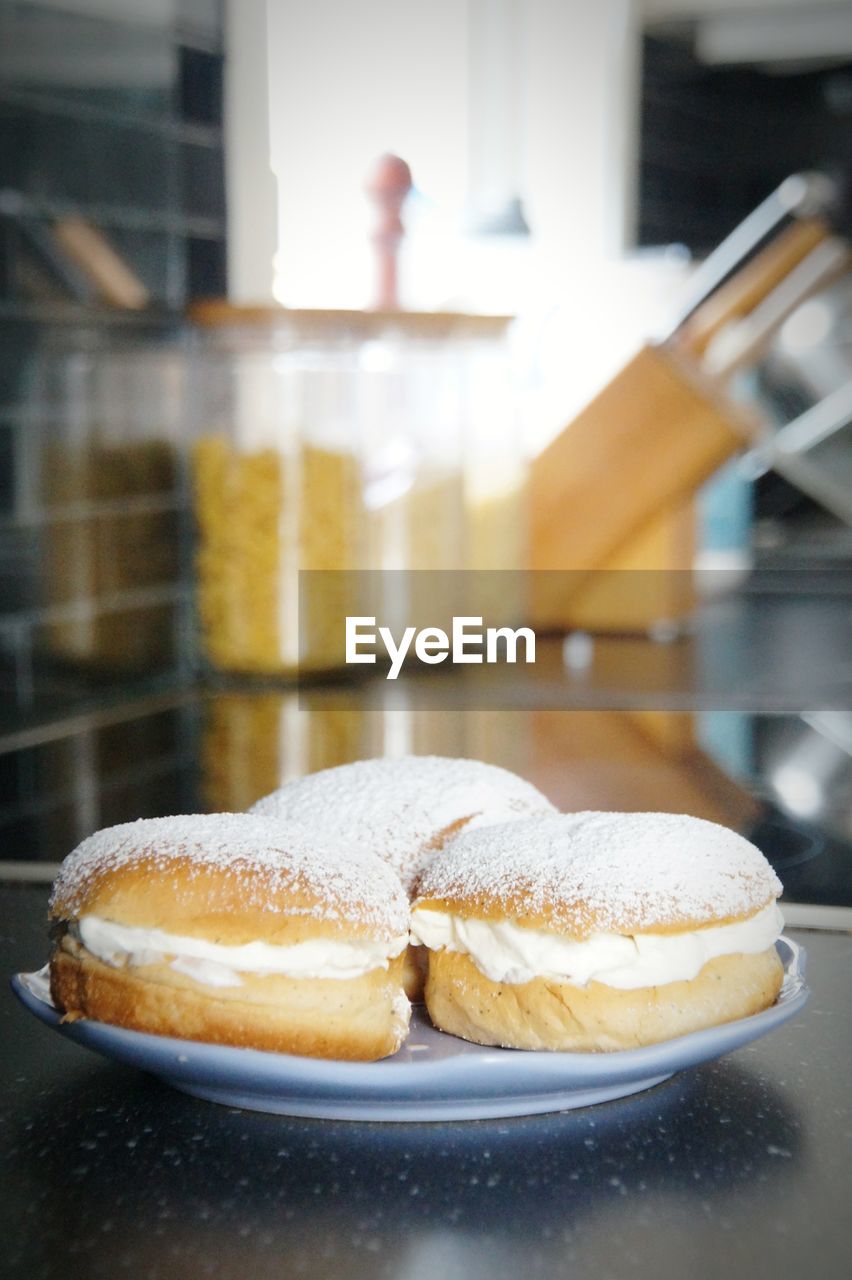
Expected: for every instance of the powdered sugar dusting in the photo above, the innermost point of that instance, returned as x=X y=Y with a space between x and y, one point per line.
x=400 y=809
x=268 y=856
x=619 y=872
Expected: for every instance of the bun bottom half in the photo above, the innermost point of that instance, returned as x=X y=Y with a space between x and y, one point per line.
x=357 y=1019
x=545 y=1014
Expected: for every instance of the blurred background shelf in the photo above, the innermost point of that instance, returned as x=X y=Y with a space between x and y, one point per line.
x=115 y=114
x=575 y=168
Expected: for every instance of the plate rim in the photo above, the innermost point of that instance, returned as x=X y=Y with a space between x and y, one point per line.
x=396 y=1078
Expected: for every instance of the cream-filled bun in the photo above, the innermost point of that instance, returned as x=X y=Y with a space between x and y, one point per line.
x=405 y=811
x=234 y=929
x=597 y=931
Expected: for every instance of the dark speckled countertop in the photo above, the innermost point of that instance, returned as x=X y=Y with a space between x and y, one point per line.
x=737 y=1169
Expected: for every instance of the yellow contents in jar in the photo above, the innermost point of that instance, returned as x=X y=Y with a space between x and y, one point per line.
x=111 y=542
x=238 y=501
x=423 y=528
x=262 y=517
x=497 y=529
x=496 y=538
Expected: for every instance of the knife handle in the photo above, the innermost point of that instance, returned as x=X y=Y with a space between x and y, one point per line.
x=747 y=289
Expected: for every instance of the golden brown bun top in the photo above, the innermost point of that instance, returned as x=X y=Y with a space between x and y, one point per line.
x=585 y=873
x=404 y=809
x=232 y=878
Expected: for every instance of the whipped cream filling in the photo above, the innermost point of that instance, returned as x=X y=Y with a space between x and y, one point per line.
x=505 y=952
x=217 y=965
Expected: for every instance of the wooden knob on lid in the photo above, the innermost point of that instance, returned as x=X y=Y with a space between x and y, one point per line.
x=388 y=185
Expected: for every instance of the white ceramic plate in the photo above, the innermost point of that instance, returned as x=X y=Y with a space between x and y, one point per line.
x=433 y=1077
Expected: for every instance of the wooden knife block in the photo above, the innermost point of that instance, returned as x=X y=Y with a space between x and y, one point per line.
x=612 y=497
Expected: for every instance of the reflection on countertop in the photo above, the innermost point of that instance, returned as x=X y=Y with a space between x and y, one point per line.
x=783 y=779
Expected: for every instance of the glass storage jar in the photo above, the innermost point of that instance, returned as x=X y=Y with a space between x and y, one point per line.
x=331 y=440
x=277 y=478
x=494 y=463
x=107 y=414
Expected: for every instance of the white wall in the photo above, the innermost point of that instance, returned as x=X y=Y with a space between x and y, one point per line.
x=351 y=80
x=582 y=116
x=252 y=198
